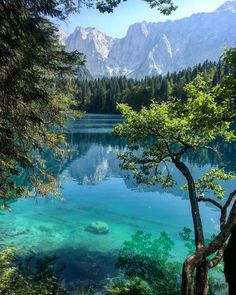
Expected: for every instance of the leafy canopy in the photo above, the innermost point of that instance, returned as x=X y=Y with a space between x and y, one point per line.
x=166 y=131
x=164 y=6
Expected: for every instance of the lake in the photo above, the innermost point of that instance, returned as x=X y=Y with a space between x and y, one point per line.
x=95 y=188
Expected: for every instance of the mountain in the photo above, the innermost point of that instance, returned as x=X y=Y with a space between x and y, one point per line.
x=95 y=45
x=82 y=73
x=62 y=35
x=158 y=48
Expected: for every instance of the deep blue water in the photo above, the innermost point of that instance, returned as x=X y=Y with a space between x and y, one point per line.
x=94 y=188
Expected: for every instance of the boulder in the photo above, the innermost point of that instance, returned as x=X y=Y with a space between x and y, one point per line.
x=98 y=227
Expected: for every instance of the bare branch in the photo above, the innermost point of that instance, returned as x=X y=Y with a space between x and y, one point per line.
x=225 y=208
x=224 y=234
x=213 y=149
x=230 y=198
x=215 y=203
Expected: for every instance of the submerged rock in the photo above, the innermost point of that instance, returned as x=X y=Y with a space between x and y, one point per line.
x=98 y=227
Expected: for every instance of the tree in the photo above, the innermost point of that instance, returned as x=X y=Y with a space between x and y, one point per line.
x=37 y=94
x=161 y=135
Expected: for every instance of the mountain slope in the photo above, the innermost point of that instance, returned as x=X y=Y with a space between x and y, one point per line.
x=158 y=48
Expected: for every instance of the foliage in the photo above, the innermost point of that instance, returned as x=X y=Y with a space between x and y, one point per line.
x=170 y=129
x=29 y=277
x=37 y=94
x=209 y=182
x=102 y=95
x=147 y=267
x=164 y=6
x=134 y=286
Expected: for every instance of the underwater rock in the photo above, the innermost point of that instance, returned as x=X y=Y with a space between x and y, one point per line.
x=98 y=227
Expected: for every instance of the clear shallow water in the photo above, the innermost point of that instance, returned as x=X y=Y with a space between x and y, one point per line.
x=94 y=188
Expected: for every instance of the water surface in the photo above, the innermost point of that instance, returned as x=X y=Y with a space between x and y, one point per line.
x=94 y=188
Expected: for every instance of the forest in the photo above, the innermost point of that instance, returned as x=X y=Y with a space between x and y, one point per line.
x=102 y=95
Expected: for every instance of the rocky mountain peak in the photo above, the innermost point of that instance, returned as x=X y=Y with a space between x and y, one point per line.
x=142 y=28
x=229 y=6
x=90 y=41
x=158 y=48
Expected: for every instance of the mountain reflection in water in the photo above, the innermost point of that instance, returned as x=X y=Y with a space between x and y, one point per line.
x=95 y=188
x=97 y=147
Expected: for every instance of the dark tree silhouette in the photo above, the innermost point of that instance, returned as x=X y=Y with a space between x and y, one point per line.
x=230 y=262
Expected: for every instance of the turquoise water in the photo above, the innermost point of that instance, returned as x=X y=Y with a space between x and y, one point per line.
x=94 y=188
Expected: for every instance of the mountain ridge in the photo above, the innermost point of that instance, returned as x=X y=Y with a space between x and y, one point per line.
x=157 y=48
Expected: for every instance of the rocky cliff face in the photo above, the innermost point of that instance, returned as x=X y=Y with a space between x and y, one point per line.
x=95 y=45
x=158 y=48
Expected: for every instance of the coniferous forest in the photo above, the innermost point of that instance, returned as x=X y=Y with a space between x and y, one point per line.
x=102 y=95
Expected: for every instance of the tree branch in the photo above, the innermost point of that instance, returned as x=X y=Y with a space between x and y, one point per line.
x=171 y=153
x=224 y=234
x=225 y=208
x=230 y=198
x=217 y=258
x=213 y=149
x=215 y=203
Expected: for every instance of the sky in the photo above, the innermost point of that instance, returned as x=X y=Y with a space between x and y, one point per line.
x=132 y=11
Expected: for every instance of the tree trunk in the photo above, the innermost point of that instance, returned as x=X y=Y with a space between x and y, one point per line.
x=191 y=264
x=202 y=285
x=195 y=274
x=198 y=263
x=197 y=222
x=188 y=277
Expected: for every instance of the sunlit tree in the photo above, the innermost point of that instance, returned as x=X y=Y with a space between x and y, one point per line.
x=161 y=135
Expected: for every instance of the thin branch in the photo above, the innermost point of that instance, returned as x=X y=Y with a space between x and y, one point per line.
x=153 y=160
x=225 y=208
x=213 y=149
x=215 y=203
x=224 y=234
x=171 y=153
x=230 y=198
